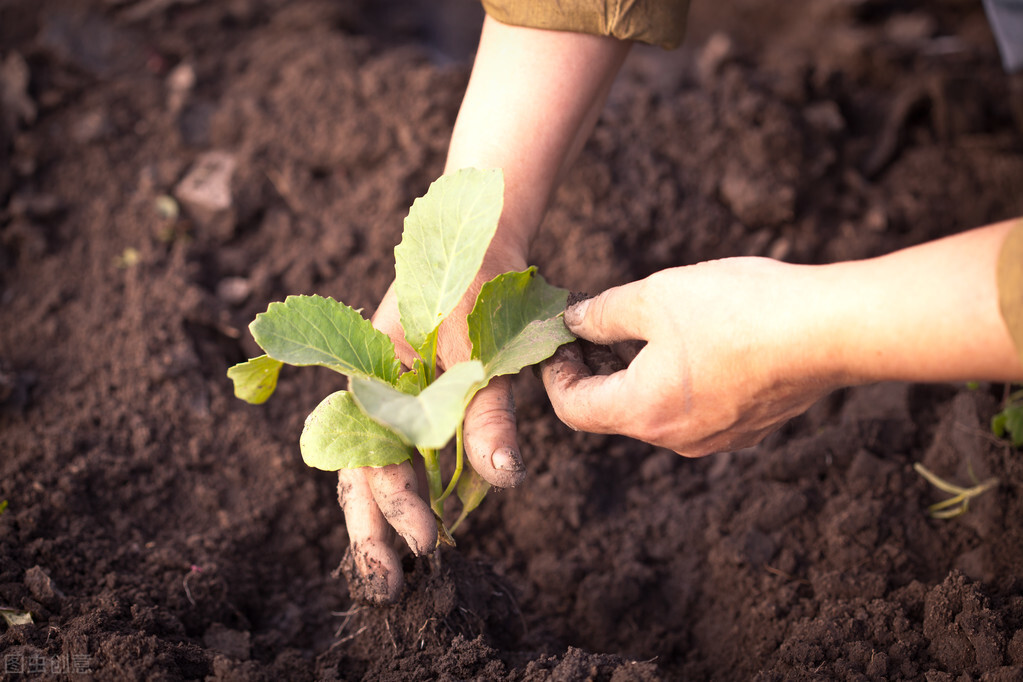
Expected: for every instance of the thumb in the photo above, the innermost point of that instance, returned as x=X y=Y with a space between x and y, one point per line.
x=490 y=436
x=617 y=314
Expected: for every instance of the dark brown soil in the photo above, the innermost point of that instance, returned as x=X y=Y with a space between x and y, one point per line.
x=160 y=529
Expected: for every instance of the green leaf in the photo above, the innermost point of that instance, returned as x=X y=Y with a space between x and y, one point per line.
x=409 y=381
x=446 y=235
x=338 y=435
x=471 y=490
x=313 y=330
x=255 y=380
x=1014 y=424
x=998 y=424
x=517 y=322
x=427 y=420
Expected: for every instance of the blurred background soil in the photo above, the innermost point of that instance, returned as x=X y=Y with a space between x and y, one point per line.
x=169 y=167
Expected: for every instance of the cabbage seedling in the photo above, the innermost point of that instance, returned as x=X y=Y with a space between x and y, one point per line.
x=388 y=413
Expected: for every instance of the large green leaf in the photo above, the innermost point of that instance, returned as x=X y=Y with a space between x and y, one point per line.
x=338 y=435
x=427 y=420
x=517 y=322
x=446 y=235
x=313 y=330
x=255 y=380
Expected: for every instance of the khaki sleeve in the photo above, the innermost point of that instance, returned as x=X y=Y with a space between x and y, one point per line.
x=657 y=22
x=1010 y=284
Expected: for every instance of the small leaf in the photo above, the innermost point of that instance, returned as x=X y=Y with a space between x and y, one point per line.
x=313 y=330
x=517 y=322
x=409 y=381
x=446 y=235
x=1009 y=424
x=1014 y=424
x=255 y=380
x=427 y=420
x=14 y=617
x=998 y=424
x=338 y=435
x=471 y=490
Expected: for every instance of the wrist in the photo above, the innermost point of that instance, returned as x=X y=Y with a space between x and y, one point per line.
x=813 y=342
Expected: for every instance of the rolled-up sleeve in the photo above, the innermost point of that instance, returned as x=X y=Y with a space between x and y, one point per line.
x=1010 y=284
x=656 y=22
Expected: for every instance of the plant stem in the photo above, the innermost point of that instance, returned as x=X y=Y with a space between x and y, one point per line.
x=430 y=357
x=953 y=506
x=458 y=521
x=433 y=478
x=459 y=459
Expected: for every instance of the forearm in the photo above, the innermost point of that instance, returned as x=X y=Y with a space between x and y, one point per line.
x=926 y=313
x=532 y=100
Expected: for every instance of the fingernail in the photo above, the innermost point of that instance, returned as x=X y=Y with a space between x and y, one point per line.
x=575 y=314
x=507 y=459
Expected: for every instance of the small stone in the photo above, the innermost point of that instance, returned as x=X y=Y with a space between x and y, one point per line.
x=14 y=81
x=717 y=50
x=205 y=193
x=233 y=290
x=180 y=83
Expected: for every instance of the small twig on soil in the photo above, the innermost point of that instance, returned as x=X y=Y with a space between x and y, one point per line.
x=783 y=574
x=960 y=503
x=348 y=637
x=422 y=640
x=188 y=593
x=348 y=618
x=387 y=622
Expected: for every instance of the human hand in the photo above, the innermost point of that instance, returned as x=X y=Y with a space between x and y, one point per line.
x=379 y=501
x=532 y=99
x=733 y=350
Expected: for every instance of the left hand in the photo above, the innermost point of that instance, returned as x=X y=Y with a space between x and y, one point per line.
x=731 y=354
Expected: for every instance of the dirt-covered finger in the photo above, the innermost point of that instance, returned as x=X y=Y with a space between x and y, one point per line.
x=491 y=442
x=617 y=314
x=395 y=491
x=372 y=567
x=583 y=401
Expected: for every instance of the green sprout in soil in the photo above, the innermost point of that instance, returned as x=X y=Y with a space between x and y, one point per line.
x=959 y=503
x=389 y=412
x=1009 y=422
x=3 y=506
